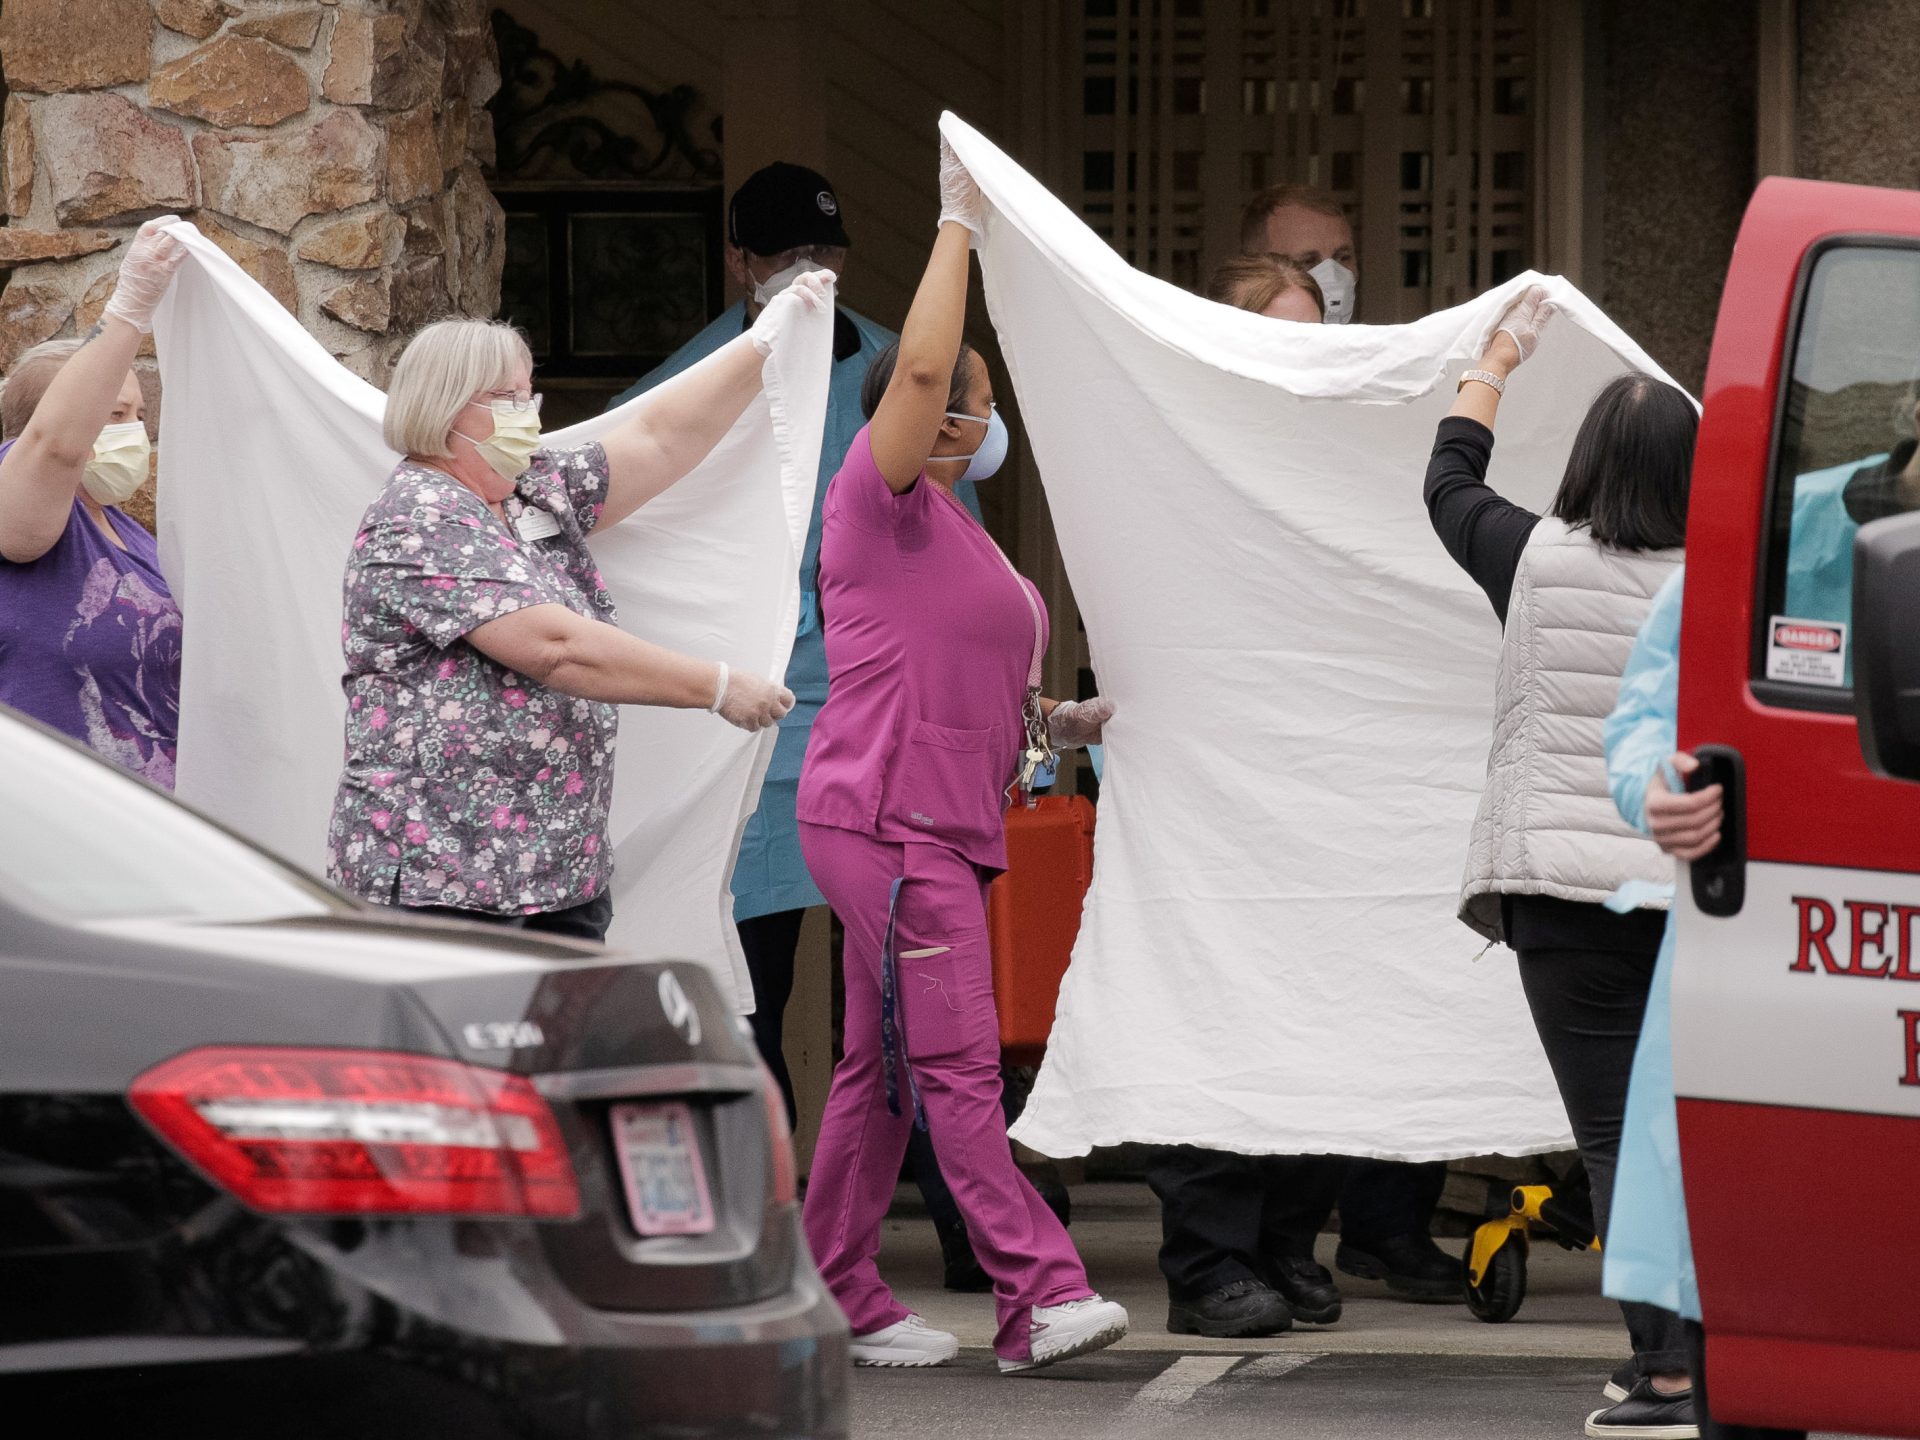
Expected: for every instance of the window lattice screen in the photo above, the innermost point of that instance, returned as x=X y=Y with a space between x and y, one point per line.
x=1419 y=114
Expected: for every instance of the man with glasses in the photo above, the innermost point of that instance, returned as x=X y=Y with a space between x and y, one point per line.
x=785 y=220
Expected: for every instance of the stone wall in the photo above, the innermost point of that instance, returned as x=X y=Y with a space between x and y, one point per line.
x=1677 y=168
x=1857 y=63
x=334 y=148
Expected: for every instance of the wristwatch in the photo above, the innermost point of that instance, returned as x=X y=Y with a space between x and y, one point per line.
x=1485 y=377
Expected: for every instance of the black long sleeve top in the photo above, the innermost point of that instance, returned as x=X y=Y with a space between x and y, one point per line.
x=1483 y=531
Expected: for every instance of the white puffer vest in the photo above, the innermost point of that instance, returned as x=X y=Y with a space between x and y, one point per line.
x=1547 y=825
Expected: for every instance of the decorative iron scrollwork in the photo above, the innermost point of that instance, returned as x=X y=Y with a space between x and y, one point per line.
x=544 y=116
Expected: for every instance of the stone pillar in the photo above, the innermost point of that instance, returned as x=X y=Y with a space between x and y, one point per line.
x=1677 y=98
x=332 y=147
x=1856 y=67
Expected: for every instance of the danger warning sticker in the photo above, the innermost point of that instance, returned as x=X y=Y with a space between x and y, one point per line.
x=1807 y=652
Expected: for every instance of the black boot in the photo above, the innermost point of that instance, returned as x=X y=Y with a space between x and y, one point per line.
x=1307 y=1286
x=1238 y=1310
x=1412 y=1266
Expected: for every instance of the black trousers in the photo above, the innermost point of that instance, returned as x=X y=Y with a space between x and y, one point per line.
x=771 y=943
x=1383 y=1198
x=1711 y=1429
x=1222 y=1214
x=1587 y=1006
x=577 y=922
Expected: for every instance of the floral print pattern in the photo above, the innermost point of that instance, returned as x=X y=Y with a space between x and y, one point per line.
x=136 y=725
x=468 y=785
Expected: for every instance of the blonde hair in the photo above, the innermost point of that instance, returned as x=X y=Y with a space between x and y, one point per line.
x=442 y=368
x=27 y=383
x=1253 y=282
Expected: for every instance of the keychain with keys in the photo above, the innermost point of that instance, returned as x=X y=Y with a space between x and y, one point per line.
x=1038 y=769
x=1039 y=764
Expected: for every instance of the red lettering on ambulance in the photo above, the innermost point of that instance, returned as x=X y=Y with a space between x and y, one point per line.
x=1814 y=934
x=1904 y=968
x=1864 y=939
x=1912 y=1020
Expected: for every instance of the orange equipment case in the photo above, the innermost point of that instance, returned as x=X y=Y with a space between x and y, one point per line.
x=1033 y=915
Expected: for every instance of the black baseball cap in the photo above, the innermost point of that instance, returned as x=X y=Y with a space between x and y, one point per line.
x=780 y=206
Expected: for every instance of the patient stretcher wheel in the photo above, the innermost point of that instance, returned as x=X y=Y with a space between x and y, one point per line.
x=1504 y=1286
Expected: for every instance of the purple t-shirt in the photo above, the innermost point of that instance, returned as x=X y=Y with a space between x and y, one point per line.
x=90 y=643
x=929 y=637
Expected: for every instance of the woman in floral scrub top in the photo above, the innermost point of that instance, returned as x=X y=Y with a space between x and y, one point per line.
x=484 y=662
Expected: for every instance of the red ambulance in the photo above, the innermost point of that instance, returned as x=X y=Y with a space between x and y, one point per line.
x=1797 y=982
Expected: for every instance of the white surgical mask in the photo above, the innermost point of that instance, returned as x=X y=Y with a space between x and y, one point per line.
x=1337 y=284
x=516 y=435
x=991 y=453
x=765 y=290
x=120 y=463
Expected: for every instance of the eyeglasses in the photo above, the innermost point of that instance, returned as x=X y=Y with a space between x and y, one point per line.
x=517 y=401
x=831 y=256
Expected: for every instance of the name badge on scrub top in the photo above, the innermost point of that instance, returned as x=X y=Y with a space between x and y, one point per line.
x=535 y=524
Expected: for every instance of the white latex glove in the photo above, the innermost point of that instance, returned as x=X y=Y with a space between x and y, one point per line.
x=1074 y=723
x=743 y=699
x=809 y=292
x=960 y=198
x=1525 y=319
x=149 y=267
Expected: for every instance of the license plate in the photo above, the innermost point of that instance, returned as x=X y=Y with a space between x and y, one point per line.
x=666 y=1182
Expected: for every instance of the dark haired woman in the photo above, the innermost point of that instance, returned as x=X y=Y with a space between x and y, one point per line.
x=933 y=652
x=1571 y=589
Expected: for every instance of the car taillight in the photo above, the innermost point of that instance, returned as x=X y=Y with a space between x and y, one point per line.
x=361 y=1132
x=786 y=1182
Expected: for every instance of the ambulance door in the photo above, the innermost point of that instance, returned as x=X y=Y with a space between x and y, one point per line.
x=1797 y=980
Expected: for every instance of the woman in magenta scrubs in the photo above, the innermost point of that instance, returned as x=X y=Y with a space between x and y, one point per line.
x=933 y=653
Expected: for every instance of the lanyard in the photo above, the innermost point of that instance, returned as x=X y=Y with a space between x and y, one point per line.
x=893 y=1044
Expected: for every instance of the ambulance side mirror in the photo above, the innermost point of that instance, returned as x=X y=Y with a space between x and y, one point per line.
x=1886 y=644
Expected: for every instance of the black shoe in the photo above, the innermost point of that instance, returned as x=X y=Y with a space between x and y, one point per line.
x=1620 y=1384
x=1240 y=1310
x=1646 y=1414
x=962 y=1270
x=1412 y=1266
x=1306 y=1286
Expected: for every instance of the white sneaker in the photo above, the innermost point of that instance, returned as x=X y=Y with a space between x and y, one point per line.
x=1060 y=1332
x=908 y=1342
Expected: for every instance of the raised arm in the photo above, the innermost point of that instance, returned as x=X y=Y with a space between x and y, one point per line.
x=1483 y=531
x=1516 y=338
x=41 y=473
x=596 y=661
x=908 y=417
x=679 y=422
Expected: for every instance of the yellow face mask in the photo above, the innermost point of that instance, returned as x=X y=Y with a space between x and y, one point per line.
x=516 y=435
x=121 y=460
